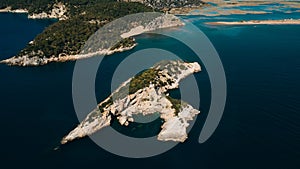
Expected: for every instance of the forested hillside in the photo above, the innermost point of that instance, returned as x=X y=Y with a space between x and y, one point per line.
x=77 y=21
x=37 y=6
x=68 y=36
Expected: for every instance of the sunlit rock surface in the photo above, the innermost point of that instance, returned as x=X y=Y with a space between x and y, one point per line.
x=149 y=97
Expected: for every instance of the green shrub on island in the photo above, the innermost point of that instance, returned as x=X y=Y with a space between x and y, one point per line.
x=124 y=43
x=140 y=81
x=143 y=80
x=176 y=104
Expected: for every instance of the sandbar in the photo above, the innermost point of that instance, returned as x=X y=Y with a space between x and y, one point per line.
x=258 y=22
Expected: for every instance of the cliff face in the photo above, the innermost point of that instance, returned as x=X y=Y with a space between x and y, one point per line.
x=58 y=11
x=151 y=97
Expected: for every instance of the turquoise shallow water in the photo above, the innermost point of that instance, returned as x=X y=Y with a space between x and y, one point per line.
x=259 y=129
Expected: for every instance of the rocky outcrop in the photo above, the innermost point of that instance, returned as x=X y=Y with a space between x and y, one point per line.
x=9 y=9
x=58 y=11
x=174 y=128
x=123 y=104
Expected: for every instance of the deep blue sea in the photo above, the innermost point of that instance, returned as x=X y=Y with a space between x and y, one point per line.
x=260 y=127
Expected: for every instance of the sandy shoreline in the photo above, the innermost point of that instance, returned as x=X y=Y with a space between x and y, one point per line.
x=259 y=22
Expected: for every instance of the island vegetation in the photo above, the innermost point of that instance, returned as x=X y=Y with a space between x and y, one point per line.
x=124 y=43
x=176 y=104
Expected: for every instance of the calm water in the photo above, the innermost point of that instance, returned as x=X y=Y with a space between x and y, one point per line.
x=260 y=127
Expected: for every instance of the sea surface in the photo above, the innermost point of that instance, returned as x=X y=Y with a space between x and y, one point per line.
x=260 y=127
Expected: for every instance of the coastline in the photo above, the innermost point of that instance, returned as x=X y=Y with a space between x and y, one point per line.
x=9 y=10
x=35 y=61
x=212 y=11
x=258 y=22
x=223 y=8
x=161 y=22
x=58 y=12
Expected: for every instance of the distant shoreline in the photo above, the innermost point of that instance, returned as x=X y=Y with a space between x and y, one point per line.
x=58 y=12
x=9 y=10
x=25 y=61
x=258 y=22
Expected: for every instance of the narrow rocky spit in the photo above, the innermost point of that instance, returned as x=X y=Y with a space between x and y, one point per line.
x=124 y=103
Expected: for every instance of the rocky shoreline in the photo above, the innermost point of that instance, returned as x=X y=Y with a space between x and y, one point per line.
x=37 y=61
x=58 y=11
x=8 y=9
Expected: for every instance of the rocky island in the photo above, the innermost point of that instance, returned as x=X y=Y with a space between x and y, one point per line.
x=146 y=94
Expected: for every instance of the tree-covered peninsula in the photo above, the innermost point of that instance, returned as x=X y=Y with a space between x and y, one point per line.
x=67 y=36
x=77 y=21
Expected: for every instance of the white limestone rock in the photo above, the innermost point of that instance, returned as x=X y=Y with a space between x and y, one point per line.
x=145 y=101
